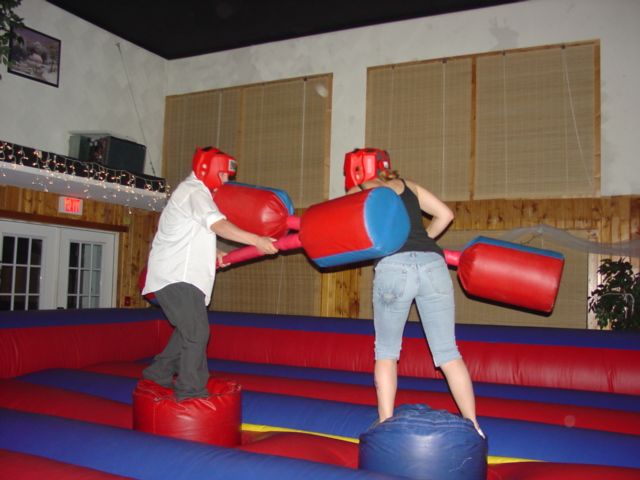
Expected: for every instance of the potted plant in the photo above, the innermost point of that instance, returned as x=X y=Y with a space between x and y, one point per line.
x=616 y=301
x=8 y=21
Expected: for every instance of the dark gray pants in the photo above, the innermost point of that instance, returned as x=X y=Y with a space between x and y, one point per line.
x=186 y=351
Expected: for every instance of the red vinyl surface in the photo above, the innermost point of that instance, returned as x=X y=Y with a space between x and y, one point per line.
x=562 y=366
x=559 y=471
x=21 y=466
x=28 y=397
x=580 y=368
x=306 y=447
x=25 y=350
x=113 y=347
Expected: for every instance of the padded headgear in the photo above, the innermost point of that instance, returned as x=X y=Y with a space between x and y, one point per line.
x=364 y=164
x=209 y=163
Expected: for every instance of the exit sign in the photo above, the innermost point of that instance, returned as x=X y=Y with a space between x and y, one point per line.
x=70 y=205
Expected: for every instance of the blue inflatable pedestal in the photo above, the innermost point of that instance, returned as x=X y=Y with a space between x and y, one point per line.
x=421 y=443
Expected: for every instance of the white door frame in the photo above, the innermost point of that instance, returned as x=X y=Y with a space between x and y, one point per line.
x=55 y=257
x=109 y=259
x=50 y=250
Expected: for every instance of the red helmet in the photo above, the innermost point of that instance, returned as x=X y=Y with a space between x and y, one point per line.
x=364 y=164
x=209 y=163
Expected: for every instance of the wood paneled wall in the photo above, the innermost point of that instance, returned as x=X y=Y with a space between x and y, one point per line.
x=614 y=219
x=135 y=230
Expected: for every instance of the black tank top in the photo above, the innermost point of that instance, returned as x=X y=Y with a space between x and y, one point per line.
x=418 y=240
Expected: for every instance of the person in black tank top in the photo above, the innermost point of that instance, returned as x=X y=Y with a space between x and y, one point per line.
x=418 y=240
x=416 y=272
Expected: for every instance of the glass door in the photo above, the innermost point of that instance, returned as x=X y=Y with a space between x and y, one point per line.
x=25 y=249
x=86 y=269
x=46 y=267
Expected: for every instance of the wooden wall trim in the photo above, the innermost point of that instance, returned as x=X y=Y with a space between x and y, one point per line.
x=68 y=222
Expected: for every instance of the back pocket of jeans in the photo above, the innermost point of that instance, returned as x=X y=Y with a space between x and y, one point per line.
x=389 y=282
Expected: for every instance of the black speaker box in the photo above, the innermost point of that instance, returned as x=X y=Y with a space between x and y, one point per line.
x=111 y=152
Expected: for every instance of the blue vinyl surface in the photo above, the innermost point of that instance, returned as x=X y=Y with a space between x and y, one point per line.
x=611 y=401
x=145 y=456
x=120 y=388
x=93 y=316
x=507 y=438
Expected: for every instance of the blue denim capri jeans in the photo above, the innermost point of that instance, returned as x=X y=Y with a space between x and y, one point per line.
x=399 y=280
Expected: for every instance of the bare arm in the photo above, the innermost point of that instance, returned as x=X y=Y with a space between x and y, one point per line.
x=228 y=230
x=441 y=214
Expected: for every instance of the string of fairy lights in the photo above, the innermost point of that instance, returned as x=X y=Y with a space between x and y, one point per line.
x=60 y=168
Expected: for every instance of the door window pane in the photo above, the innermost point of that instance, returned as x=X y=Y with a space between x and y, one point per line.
x=85 y=272
x=6 y=279
x=20 y=283
x=17 y=277
x=85 y=281
x=73 y=281
x=19 y=302
x=34 y=280
x=33 y=302
x=74 y=249
x=97 y=256
x=86 y=256
x=36 y=251
x=5 y=302
x=8 y=249
x=23 y=250
x=95 y=282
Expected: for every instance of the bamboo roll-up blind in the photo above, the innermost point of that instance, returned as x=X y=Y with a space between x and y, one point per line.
x=284 y=138
x=279 y=133
x=514 y=124
x=198 y=120
x=287 y=284
x=570 y=309
x=536 y=123
x=420 y=113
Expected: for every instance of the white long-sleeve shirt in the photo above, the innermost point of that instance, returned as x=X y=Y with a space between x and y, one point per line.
x=184 y=247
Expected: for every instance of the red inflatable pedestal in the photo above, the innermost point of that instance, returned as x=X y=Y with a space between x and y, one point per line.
x=215 y=420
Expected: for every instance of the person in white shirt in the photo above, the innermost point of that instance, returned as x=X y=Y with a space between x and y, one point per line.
x=182 y=267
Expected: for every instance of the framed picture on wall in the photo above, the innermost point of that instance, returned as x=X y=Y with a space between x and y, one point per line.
x=34 y=55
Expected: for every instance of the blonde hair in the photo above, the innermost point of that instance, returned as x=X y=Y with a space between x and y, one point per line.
x=386 y=175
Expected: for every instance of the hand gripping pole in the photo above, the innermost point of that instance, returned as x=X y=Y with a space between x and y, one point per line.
x=354 y=228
